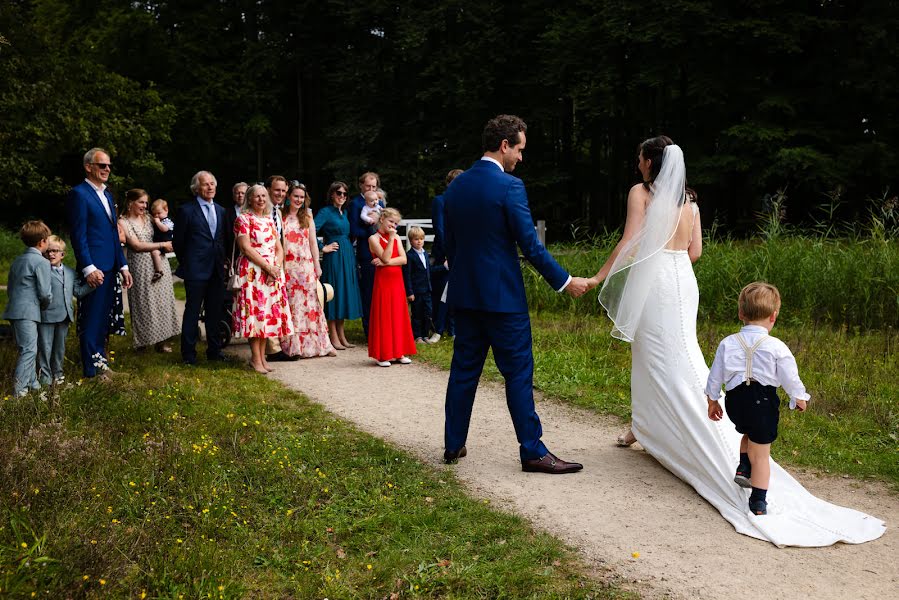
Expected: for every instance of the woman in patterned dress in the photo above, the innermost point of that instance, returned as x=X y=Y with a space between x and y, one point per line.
x=260 y=304
x=302 y=272
x=338 y=264
x=151 y=301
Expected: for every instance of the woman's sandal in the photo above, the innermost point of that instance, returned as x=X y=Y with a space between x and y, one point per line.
x=626 y=439
x=261 y=371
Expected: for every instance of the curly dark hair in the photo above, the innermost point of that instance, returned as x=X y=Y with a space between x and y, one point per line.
x=502 y=127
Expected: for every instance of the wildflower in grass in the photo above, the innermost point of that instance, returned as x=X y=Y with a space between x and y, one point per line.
x=102 y=582
x=179 y=540
x=85 y=577
x=24 y=545
x=368 y=567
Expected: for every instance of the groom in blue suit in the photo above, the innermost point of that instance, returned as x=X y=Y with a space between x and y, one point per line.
x=199 y=243
x=99 y=256
x=487 y=222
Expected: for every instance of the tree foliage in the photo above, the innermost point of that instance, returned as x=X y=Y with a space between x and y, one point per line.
x=763 y=95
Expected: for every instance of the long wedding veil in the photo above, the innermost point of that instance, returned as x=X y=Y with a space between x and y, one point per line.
x=624 y=291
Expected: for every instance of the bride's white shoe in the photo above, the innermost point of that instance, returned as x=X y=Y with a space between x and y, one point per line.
x=626 y=439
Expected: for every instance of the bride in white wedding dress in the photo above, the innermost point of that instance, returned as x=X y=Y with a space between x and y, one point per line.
x=650 y=293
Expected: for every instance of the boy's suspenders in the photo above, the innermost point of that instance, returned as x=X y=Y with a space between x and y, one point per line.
x=750 y=350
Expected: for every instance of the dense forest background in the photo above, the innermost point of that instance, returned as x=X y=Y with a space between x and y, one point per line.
x=762 y=95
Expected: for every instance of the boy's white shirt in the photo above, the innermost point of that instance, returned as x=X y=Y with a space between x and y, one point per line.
x=421 y=256
x=772 y=364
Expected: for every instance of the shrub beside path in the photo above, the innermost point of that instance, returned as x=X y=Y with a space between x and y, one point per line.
x=624 y=511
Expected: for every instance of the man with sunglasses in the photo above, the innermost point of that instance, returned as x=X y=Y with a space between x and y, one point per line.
x=368 y=182
x=95 y=239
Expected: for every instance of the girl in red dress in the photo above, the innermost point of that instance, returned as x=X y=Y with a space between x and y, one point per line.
x=389 y=329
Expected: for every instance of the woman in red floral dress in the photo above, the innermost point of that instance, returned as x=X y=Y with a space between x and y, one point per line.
x=302 y=271
x=389 y=327
x=260 y=304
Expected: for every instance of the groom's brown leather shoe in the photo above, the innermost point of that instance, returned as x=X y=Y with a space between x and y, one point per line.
x=452 y=457
x=550 y=464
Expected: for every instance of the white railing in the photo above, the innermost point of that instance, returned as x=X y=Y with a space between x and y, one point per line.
x=426 y=224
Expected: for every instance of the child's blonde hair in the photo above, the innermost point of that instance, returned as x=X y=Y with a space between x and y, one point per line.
x=390 y=212
x=758 y=300
x=157 y=204
x=55 y=239
x=416 y=233
x=34 y=232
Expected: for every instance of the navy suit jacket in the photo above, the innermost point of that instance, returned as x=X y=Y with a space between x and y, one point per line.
x=416 y=276
x=359 y=232
x=487 y=221
x=95 y=236
x=201 y=256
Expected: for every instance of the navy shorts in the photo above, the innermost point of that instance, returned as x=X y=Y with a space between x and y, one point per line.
x=755 y=410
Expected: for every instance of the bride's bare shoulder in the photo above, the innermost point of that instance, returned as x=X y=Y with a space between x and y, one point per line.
x=638 y=194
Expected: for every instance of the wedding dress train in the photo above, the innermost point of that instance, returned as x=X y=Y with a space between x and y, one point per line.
x=670 y=421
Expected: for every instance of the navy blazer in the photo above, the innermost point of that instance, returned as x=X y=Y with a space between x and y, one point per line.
x=359 y=232
x=487 y=221
x=437 y=248
x=95 y=236
x=200 y=254
x=416 y=276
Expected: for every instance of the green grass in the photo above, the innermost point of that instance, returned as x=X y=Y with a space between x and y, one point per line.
x=168 y=483
x=851 y=426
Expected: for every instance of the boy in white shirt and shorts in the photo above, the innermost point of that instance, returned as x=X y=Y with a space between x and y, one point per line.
x=751 y=365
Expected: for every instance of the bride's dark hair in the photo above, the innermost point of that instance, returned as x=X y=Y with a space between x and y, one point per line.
x=652 y=150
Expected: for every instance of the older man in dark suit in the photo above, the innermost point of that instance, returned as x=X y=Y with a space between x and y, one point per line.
x=199 y=243
x=487 y=222
x=98 y=253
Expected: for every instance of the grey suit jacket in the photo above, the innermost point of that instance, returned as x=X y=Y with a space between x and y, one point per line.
x=60 y=307
x=29 y=286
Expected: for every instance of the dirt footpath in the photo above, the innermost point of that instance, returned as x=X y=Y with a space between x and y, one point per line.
x=623 y=502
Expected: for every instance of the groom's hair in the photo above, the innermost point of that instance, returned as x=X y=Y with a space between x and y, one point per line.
x=758 y=300
x=502 y=127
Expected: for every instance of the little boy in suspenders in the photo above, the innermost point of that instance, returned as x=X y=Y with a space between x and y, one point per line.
x=751 y=365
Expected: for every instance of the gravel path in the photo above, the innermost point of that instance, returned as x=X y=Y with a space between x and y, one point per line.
x=622 y=503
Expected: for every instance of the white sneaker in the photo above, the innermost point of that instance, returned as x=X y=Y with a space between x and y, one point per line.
x=434 y=338
x=383 y=363
x=405 y=360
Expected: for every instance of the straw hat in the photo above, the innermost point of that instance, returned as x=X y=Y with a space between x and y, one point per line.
x=325 y=292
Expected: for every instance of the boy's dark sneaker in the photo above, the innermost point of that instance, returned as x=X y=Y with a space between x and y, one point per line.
x=743 y=475
x=758 y=507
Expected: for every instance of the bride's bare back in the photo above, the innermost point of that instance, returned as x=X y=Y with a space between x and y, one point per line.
x=688 y=232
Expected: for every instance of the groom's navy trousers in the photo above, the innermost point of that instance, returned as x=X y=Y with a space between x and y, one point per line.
x=509 y=334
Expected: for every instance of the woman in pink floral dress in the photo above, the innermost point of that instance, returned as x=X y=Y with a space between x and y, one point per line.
x=260 y=304
x=302 y=271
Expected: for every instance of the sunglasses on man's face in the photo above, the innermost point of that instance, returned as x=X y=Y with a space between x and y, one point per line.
x=103 y=166
x=340 y=193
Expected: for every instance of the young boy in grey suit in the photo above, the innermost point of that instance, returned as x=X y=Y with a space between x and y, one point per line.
x=29 y=291
x=55 y=319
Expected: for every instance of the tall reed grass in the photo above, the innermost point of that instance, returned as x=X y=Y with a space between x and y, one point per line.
x=847 y=282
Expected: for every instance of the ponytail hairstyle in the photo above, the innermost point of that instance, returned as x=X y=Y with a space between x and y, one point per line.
x=652 y=150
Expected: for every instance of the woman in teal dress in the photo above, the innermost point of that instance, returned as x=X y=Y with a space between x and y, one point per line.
x=338 y=264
